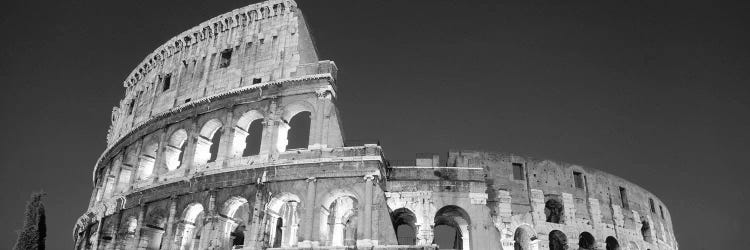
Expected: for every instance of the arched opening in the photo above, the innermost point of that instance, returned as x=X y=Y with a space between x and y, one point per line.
x=207 y=144
x=253 y=138
x=452 y=228
x=299 y=131
x=175 y=149
x=558 y=240
x=553 y=210
x=612 y=243
x=191 y=227
x=338 y=213
x=248 y=134
x=294 y=131
x=147 y=159
x=404 y=222
x=152 y=233
x=646 y=231
x=523 y=238
x=237 y=212
x=586 y=241
x=283 y=220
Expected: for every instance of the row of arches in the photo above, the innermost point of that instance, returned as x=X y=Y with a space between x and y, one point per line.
x=557 y=240
x=450 y=228
x=293 y=132
x=237 y=224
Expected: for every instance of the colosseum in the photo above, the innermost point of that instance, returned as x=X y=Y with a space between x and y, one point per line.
x=229 y=137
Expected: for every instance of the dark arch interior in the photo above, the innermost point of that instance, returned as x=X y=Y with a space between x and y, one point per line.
x=586 y=241
x=447 y=233
x=253 y=139
x=558 y=240
x=553 y=209
x=448 y=236
x=299 y=131
x=612 y=243
x=277 y=239
x=182 y=151
x=404 y=223
x=215 y=141
x=238 y=236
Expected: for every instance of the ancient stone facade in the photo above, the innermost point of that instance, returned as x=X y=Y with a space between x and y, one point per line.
x=229 y=138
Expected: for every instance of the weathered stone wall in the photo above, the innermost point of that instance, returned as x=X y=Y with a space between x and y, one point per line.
x=176 y=173
x=266 y=42
x=487 y=189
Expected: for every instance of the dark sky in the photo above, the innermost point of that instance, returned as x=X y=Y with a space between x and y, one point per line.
x=651 y=91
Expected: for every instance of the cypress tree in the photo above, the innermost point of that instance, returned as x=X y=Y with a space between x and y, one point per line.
x=34 y=226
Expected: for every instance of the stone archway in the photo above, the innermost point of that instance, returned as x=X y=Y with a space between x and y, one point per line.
x=558 y=240
x=452 y=228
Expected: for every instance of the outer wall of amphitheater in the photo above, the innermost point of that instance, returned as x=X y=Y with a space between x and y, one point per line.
x=228 y=137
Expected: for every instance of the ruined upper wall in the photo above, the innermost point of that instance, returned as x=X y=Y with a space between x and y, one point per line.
x=523 y=185
x=266 y=42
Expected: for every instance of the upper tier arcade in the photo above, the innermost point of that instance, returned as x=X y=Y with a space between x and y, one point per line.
x=256 y=45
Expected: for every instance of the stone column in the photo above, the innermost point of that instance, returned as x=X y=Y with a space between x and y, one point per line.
x=596 y=213
x=537 y=205
x=170 y=231
x=366 y=242
x=310 y=211
x=141 y=215
x=183 y=235
x=289 y=229
x=569 y=208
x=465 y=237
x=425 y=235
x=188 y=157
x=504 y=210
x=160 y=165
x=113 y=241
x=272 y=221
x=256 y=222
x=225 y=146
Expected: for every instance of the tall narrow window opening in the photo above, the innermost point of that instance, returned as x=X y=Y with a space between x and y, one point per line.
x=131 y=104
x=578 y=178
x=518 y=173
x=661 y=210
x=167 y=82
x=651 y=204
x=624 y=198
x=226 y=58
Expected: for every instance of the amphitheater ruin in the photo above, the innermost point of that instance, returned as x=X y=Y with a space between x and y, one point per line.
x=228 y=137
